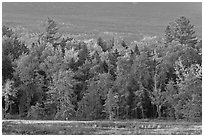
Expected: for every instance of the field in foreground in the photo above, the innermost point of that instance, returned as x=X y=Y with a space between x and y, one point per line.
x=30 y=127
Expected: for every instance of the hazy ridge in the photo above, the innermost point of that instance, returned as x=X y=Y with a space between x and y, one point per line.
x=133 y=18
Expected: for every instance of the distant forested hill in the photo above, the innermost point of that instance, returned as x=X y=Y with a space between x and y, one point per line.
x=144 y=18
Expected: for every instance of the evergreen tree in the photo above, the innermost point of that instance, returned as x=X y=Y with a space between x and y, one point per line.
x=136 y=50
x=124 y=44
x=111 y=104
x=169 y=34
x=102 y=44
x=181 y=30
x=51 y=32
x=91 y=107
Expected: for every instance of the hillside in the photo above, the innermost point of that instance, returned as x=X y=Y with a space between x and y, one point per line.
x=132 y=19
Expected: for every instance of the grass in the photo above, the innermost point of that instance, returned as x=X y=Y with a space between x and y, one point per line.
x=42 y=129
x=100 y=128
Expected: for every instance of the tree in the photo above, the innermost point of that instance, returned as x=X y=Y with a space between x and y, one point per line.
x=189 y=91
x=171 y=99
x=190 y=56
x=122 y=82
x=51 y=32
x=9 y=92
x=61 y=92
x=102 y=44
x=91 y=107
x=139 y=100
x=110 y=103
x=124 y=44
x=169 y=34
x=111 y=98
x=6 y=31
x=181 y=30
x=12 y=48
x=31 y=82
x=7 y=68
x=136 y=50
x=157 y=95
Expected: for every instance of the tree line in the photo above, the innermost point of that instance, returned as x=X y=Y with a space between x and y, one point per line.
x=49 y=75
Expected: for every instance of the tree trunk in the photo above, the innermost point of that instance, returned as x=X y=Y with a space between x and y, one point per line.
x=10 y=107
x=135 y=111
x=142 y=112
x=159 y=111
x=126 y=111
x=6 y=106
x=110 y=116
x=3 y=113
x=155 y=114
x=117 y=110
x=109 y=103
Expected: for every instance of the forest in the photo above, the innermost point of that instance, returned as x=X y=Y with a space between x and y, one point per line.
x=52 y=76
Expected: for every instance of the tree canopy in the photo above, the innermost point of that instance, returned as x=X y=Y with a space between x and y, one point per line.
x=51 y=76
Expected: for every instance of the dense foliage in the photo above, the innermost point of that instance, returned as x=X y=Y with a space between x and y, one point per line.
x=49 y=75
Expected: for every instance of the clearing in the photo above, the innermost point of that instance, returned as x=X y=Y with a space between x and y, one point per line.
x=37 y=127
